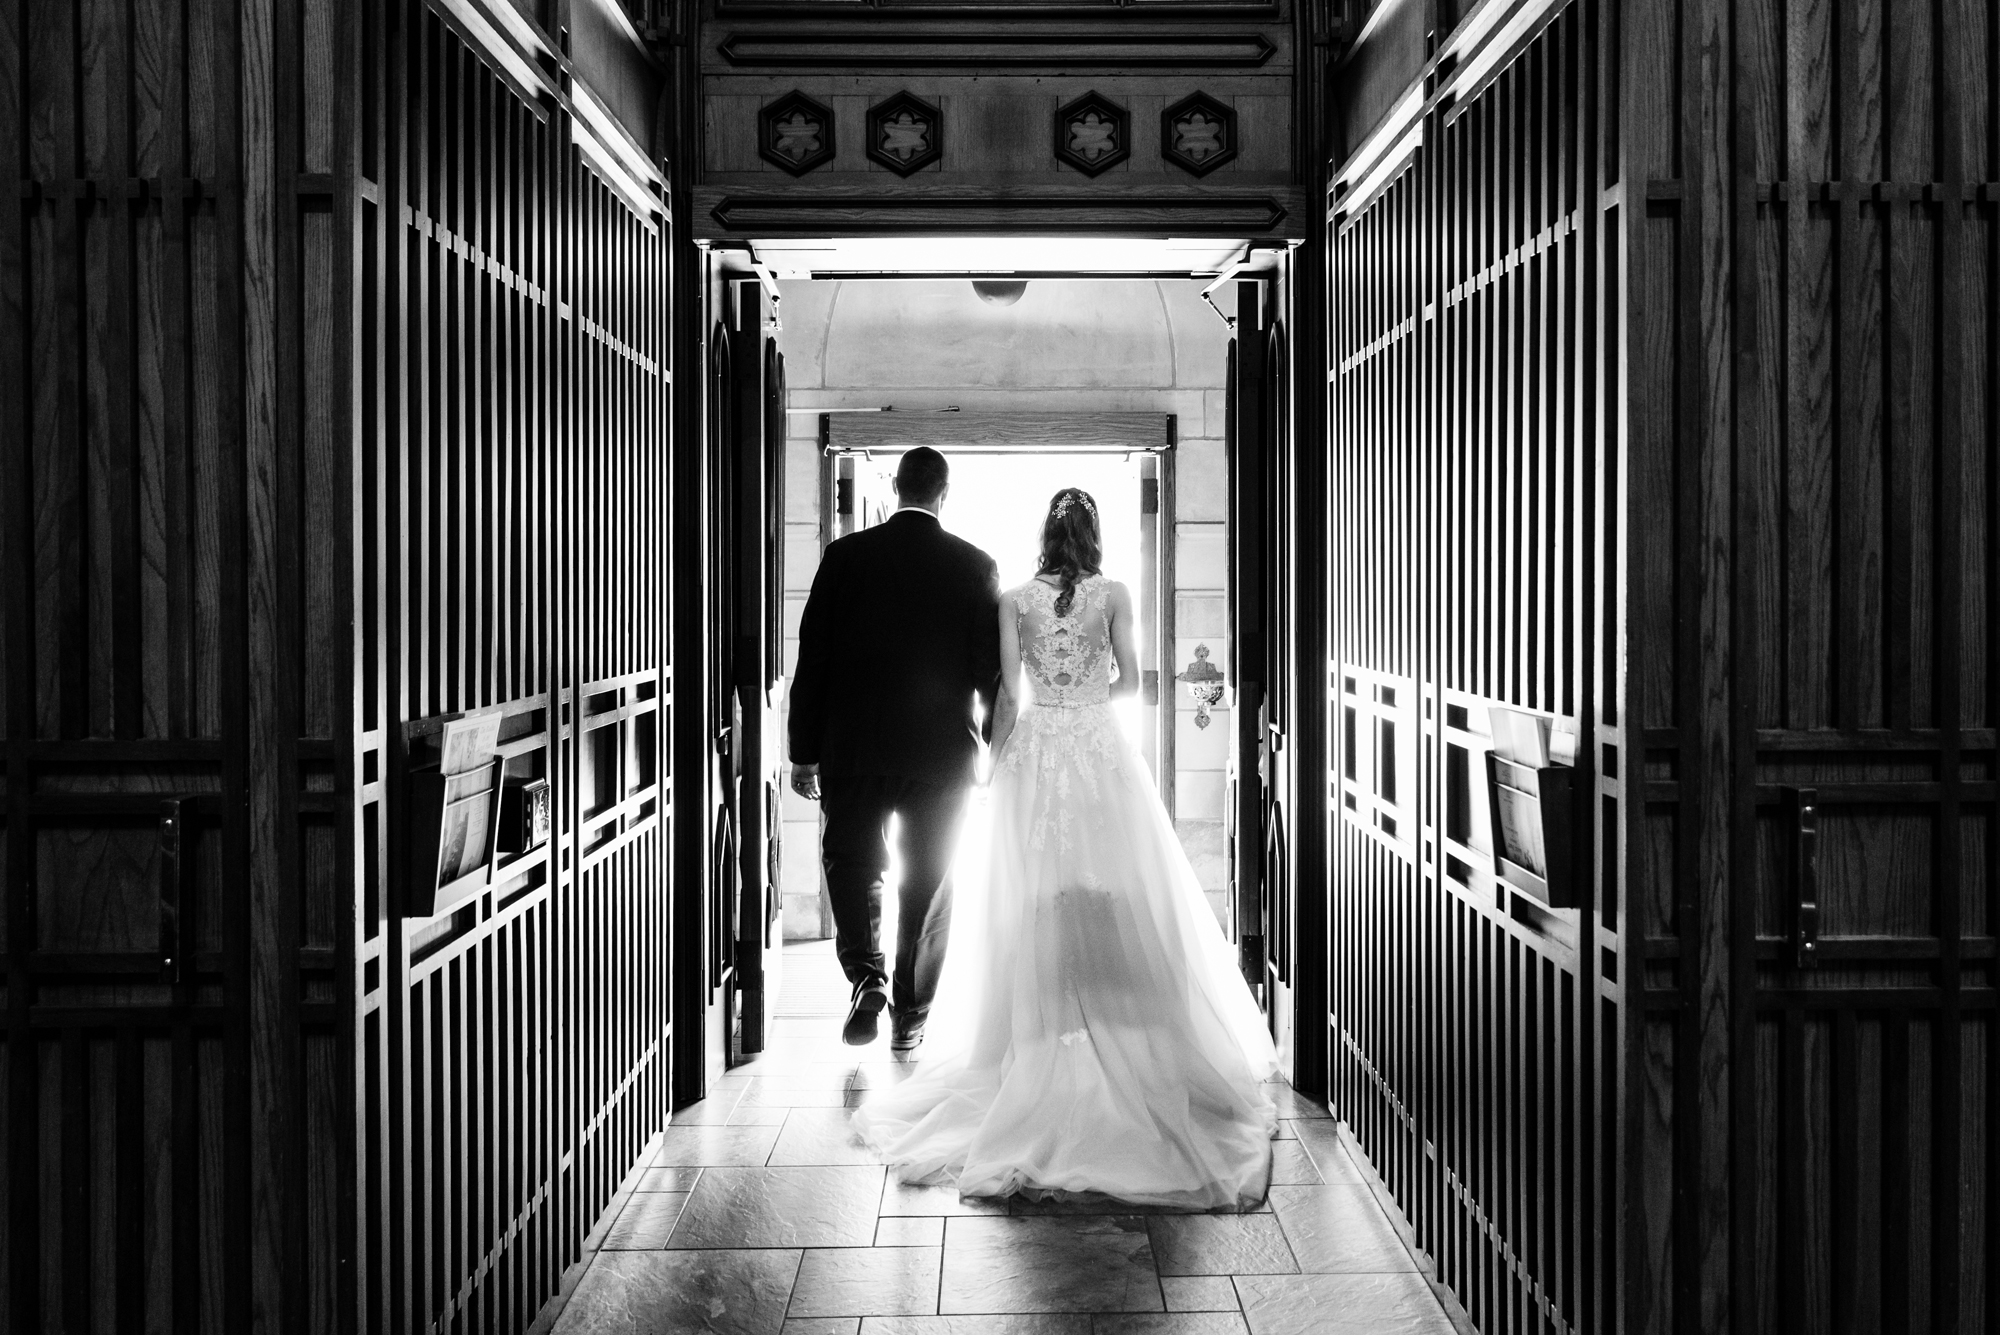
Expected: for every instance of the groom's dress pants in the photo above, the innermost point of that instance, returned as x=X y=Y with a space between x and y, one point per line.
x=854 y=847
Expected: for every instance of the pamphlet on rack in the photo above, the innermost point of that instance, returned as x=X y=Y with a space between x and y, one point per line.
x=464 y=837
x=468 y=742
x=1562 y=741
x=1522 y=737
x=1521 y=828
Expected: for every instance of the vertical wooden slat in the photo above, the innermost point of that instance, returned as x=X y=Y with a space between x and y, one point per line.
x=1948 y=1186
x=17 y=550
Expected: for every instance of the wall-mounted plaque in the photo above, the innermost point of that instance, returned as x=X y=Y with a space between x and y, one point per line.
x=1093 y=134
x=795 y=133
x=905 y=134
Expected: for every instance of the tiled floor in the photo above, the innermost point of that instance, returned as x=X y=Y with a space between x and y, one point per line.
x=761 y=1215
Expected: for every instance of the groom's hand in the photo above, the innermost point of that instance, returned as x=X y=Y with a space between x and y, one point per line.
x=805 y=781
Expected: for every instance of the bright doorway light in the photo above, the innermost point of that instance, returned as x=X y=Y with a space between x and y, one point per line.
x=998 y=502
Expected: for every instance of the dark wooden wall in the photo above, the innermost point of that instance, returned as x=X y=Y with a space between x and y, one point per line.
x=1662 y=388
x=172 y=481
x=1808 y=271
x=336 y=386
x=510 y=529
x=1471 y=1022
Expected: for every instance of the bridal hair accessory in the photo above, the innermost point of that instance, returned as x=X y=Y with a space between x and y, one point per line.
x=1062 y=504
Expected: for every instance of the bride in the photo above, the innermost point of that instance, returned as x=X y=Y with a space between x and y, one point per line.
x=1096 y=1037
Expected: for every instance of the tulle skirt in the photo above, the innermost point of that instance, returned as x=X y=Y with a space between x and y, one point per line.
x=1092 y=1032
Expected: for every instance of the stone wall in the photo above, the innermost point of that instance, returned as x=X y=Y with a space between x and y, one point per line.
x=1087 y=346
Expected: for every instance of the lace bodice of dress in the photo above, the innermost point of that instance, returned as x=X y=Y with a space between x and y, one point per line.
x=1068 y=657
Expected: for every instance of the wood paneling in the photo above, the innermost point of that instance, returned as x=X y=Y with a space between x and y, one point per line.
x=1465 y=486
x=509 y=522
x=171 y=474
x=335 y=339
x=998 y=84
x=1660 y=387
x=1809 y=271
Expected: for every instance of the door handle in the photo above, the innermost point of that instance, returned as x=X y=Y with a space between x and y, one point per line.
x=172 y=956
x=1805 y=877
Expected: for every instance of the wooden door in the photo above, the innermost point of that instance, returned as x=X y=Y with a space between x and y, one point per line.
x=725 y=736
x=1247 y=449
x=1297 y=810
x=1281 y=812
x=755 y=505
x=1265 y=806
x=708 y=738
x=1156 y=593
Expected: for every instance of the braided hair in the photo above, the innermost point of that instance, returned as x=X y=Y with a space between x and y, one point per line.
x=1072 y=545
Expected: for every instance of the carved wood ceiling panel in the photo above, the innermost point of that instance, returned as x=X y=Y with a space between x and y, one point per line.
x=991 y=49
x=1143 y=10
x=795 y=133
x=872 y=118
x=905 y=134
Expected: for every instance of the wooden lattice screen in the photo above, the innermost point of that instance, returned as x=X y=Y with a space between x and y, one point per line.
x=1468 y=523
x=510 y=532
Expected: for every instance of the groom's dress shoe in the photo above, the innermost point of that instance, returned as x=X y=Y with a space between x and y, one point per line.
x=859 y=1031
x=903 y=1043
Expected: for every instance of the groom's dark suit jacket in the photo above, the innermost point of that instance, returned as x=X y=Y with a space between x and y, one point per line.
x=901 y=632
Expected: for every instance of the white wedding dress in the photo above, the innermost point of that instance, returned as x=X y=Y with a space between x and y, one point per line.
x=1092 y=1032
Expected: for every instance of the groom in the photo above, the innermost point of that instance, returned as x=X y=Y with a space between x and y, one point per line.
x=900 y=636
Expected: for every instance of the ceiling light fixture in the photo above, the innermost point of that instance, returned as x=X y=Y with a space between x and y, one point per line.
x=999 y=292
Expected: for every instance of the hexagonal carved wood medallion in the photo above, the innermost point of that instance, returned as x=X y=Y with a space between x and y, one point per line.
x=795 y=133
x=905 y=134
x=1093 y=134
x=1198 y=134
